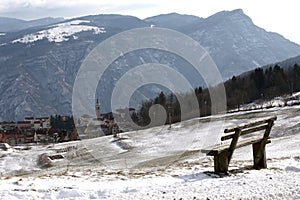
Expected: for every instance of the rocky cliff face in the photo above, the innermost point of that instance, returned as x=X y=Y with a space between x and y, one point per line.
x=38 y=65
x=235 y=43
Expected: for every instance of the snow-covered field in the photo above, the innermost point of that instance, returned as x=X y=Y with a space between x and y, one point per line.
x=287 y=100
x=158 y=163
x=61 y=32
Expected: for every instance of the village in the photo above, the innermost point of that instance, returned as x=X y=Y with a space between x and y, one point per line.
x=54 y=129
x=37 y=130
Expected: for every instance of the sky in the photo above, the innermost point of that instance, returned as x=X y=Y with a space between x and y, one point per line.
x=281 y=16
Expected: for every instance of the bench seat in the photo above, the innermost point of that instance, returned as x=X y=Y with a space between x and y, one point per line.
x=211 y=151
x=223 y=153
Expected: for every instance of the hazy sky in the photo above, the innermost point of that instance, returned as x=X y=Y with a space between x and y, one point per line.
x=280 y=16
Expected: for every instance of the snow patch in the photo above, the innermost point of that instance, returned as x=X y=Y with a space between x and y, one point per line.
x=256 y=63
x=296 y=94
x=287 y=100
x=4 y=146
x=60 y=32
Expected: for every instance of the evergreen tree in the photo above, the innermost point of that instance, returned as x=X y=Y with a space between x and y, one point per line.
x=274 y=81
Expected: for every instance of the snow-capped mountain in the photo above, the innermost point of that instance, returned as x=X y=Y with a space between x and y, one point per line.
x=39 y=64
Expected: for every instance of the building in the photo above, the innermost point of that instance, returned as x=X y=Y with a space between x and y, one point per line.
x=11 y=136
x=45 y=122
x=30 y=120
x=24 y=131
x=97 y=109
x=39 y=122
x=109 y=126
x=24 y=124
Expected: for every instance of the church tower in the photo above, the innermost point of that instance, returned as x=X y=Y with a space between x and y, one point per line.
x=97 y=108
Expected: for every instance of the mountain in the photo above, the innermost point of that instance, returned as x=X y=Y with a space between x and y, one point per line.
x=235 y=43
x=11 y=24
x=39 y=64
x=174 y=21
x=288 y=63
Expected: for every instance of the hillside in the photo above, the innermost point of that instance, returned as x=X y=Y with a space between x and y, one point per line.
x=39 y=64
x=234 y=42
x=158 y=163
x=286 y=63
x=12 y=25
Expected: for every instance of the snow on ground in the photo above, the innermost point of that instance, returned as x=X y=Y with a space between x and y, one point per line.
x=287 y=100
x=158 y=163
x=61 y=32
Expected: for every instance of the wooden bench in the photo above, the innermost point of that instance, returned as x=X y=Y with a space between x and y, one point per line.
x=223 y=153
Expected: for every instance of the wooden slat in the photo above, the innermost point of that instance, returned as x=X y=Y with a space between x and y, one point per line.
x=244 y=132
x=218 y=149
x=233 y=143
x=264 y=141
x=228 y=130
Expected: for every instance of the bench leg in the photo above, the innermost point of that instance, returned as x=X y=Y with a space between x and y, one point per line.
x=259 y=156
x=221 y=162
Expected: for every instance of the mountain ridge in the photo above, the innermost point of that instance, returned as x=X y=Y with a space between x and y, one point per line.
x=37 y=75
x=12 y=24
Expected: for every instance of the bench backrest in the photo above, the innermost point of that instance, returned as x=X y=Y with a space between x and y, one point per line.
x=249 y=128
x=265 y=124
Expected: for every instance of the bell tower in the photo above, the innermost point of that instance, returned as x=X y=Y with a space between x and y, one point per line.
x=97 y=108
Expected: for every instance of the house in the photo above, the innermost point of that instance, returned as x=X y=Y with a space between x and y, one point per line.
x=45 y=122
x=11 y=136
x=37 y=124
x=24 y=124
x=25 y=131
x=6 y=125
x=29 y=119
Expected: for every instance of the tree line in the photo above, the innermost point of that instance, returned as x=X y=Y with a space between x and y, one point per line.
x=59 y=122
x=262 y=83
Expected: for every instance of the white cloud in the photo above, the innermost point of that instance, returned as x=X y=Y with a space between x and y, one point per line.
x=11 y=5
x=31 y=9
x=279 y=16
